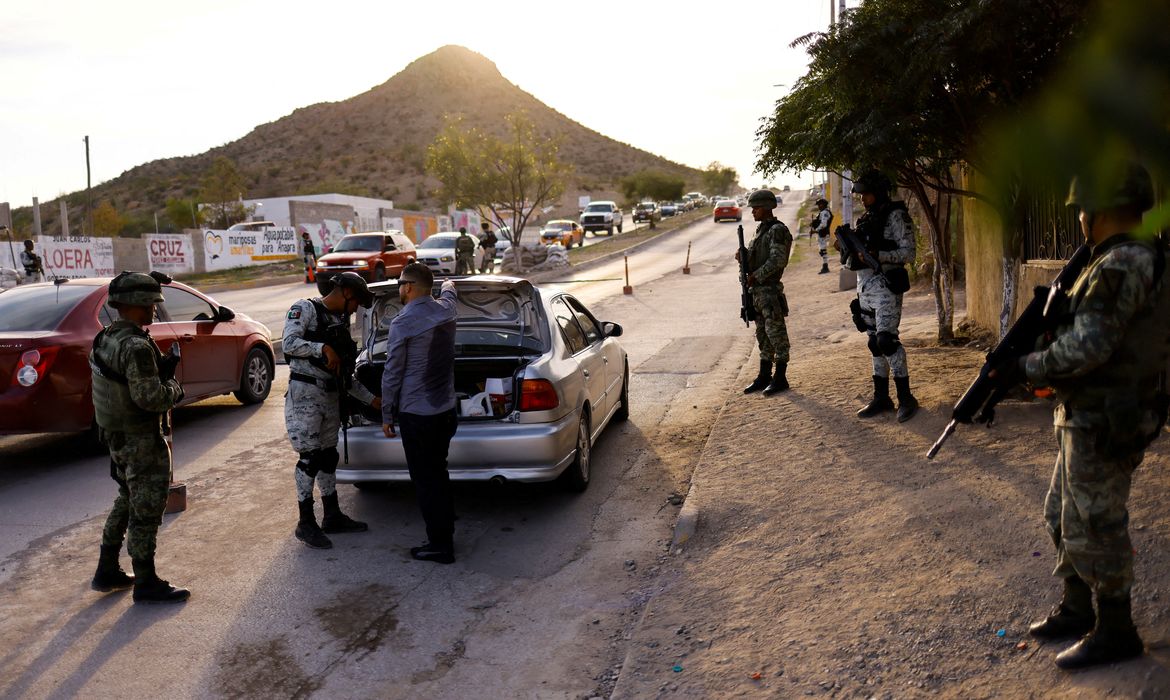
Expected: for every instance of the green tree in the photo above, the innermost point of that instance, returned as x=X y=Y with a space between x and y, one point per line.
x=908 y=86
x=107 y=222
x=221 y=190
x=183 y=213
x=653 y=184
x=719 y=179
x=511 y=176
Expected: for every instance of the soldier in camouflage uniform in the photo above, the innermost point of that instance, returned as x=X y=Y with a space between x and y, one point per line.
x=888 y=233
x=822 y=221
x=767 y=257
x=464 y=253
x=1106 y=363
x=316 y=344
x=131 y=395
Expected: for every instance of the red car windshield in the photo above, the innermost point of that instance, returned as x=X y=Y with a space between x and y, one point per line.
x=39 y=308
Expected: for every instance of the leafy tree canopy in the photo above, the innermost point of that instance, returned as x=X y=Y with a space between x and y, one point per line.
x=653 y=184
x=719 y=178
x=221 y=190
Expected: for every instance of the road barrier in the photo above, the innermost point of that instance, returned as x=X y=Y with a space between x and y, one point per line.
x=687 y=264
x=627 y=289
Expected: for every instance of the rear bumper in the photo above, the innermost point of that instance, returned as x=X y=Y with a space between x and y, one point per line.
x=42 y=409
x=480 y=451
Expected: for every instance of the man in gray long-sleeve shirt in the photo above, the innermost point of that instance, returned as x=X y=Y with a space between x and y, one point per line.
x=418 y=394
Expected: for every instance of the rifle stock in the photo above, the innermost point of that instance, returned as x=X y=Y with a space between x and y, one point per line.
x=747 y=309
x=977 y=404
x=851 y=243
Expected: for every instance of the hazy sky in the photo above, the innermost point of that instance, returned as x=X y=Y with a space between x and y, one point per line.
x=153 y=79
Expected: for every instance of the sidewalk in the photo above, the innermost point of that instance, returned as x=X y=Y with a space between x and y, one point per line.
x=830 y=558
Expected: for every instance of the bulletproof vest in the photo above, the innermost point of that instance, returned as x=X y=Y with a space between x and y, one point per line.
x=761 y=245
x=1135 y=373
x=335 y=335
x=114 y=410
x=465 y=244
x=872 y=224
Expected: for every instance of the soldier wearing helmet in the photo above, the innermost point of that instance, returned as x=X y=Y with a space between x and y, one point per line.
x=767 y=257
x=1106 y=362
x=34 y=269
x=320 y=355
x=133 y=389
x=822 y=223
x=888 y=233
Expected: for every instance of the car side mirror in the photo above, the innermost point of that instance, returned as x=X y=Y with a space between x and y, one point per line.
x=611 y=329
x=223 y=313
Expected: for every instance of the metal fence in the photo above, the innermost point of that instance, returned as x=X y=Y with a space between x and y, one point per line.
x=1051 y=230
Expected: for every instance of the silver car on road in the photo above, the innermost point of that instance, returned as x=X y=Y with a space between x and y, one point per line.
x=537 y=378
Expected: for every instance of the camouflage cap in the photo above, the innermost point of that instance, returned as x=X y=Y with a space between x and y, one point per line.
x=135 y=289
x=1130 y=187
x=762 y=198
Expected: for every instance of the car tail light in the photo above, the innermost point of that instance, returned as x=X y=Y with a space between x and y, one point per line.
x=537 y=395
x=33 y=365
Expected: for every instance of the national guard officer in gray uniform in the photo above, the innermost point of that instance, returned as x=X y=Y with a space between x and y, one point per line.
x=320 y=356
x=888 y=233
x=767 y=257
x=465 y=253
x=1107 y=364
x=133 y=388
x=34 y=269
x=821 y=227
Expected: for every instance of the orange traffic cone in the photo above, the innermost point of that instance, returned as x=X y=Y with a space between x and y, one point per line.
x=310 y=276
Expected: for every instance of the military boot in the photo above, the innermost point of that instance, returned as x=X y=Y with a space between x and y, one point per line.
x=881 y=399
x=1114 y=638
x=1072 y=617
x=779 y=381
x=763 y=379
x=109 y=575
x=907 y=404
x=149 y=588
x=335 y=521
x=824 y=269
x=307 y=530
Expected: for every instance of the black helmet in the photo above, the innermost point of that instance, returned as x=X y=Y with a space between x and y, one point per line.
x=762 y=198
x=1132 y=187
x=354 y=287
x=823 y=202
x=29 y=241
x=873 y=182
x=135 y=289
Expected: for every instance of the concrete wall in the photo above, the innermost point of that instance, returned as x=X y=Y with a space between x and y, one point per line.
x=130 y=254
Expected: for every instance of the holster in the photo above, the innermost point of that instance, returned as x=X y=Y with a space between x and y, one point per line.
x=858 y=319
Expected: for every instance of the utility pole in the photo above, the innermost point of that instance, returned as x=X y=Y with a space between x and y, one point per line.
x=37 y=218
x=847 y=176
x=88 y=199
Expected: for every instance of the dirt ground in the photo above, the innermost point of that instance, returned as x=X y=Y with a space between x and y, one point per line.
x=831 y=558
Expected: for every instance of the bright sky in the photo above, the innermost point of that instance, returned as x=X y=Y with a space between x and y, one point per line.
x=148 y=79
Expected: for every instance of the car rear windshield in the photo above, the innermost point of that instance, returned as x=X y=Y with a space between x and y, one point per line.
x=726 y=203
x=39 y=308
x=489 y=322
x=363 y=244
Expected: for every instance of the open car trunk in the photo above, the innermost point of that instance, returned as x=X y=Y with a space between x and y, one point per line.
x=499 y=330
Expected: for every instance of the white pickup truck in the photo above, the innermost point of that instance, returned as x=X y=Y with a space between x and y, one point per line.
x=602 y=216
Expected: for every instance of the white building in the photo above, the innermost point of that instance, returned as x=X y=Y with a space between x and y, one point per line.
x=367 y=210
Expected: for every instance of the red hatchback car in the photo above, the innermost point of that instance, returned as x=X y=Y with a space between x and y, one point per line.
x=47 y=331
x=727 y=209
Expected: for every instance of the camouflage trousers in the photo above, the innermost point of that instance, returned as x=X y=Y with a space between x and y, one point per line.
x=464 y=263
x=141 y=464
x=1086 y=512
x=881 y=311
x=312 y=421
x=823 y=245
x=771 y=330
x=488 y=264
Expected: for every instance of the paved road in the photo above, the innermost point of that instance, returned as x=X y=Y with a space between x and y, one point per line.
x=545 y=592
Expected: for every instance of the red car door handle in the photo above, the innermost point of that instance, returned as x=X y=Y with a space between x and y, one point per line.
x=586 y=373
x=187 y=338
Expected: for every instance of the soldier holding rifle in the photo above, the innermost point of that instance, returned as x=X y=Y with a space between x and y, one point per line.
x=762 y=267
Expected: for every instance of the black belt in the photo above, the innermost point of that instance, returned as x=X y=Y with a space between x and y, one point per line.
x=326 y=384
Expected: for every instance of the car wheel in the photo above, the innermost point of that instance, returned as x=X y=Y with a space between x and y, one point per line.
x=619 y=229
x=371 y=486
x=577 y=475
x=380 y=273
x=256 y=381
x=623 y=413
x=609 y=231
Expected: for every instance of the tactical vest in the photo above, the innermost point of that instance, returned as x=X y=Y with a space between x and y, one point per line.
x=335 y=335
x=760 y=247
x=114 y=409
x=872 y=224
x=1133 y=378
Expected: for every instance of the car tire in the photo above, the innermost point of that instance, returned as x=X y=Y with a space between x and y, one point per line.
x=609 y=231
x=623 y=413
x=371 y=486
x=619 y=229
x=576 y=477
x=256 y=379
x=380 y=273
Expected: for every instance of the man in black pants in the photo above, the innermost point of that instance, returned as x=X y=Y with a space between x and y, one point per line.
x=418 y=393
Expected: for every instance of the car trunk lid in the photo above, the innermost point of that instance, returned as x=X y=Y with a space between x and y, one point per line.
x=13 y=344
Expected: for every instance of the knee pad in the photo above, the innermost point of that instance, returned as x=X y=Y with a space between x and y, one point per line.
x=327 y=460
x=873 y=346
x=308 y=463
x=887 y=343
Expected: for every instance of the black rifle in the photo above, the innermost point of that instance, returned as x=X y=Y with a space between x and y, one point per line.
x=977 y=405
x=853 y=247
x=169 y=362
x=747 y=309
x=346 y=350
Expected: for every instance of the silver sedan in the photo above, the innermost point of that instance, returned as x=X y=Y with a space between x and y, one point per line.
x=537 y=379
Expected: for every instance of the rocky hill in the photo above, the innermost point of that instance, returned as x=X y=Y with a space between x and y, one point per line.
x=375 y=143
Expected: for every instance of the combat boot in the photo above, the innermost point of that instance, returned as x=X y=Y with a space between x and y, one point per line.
x=335 y=521
x=824 y=269
x=907 y=404
x=763 y=379
x=779 y=381
x=1072 y=617
x=109 y=575
x=881 y=399
x=149 y=588
x=1114 y=638
x=307 y=530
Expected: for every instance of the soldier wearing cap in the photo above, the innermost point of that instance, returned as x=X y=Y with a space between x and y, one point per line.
x=34 y=269
x=822 y=221
x=465 y=253
x=1106 y=362
x=767 y=257
x=133 y=388
x=320 y=355
x=888 y=233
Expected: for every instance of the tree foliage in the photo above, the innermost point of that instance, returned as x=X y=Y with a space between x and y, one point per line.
x=221 y=190
x=719 y=178
x=653 y=184
x=107 y=222
x=183 y=213
x=511 y=176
